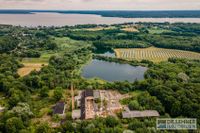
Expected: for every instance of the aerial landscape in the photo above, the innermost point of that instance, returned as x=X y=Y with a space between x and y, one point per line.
x=91 y=66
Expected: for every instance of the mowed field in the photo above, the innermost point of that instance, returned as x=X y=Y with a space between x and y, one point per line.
x=96 y=28
x=64 y=44
x=154 y=54
x=130 y=28
x=28 y=67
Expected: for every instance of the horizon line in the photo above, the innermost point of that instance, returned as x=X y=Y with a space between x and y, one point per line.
x=94 y=10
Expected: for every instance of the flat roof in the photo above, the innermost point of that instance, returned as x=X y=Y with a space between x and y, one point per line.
x=76 y=113
x=59 y=108
x=96 y=94
x=145 y=113
x=89 y=93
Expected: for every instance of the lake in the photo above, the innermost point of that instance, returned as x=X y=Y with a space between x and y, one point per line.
x=59 y=19
x=111 y=71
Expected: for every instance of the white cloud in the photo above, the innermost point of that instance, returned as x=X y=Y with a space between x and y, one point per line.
x=101 y=4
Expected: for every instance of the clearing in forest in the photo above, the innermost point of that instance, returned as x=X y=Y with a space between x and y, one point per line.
x=154 y=54
x=130 y=29
x=28 y=67
x=64 y=45
x=99 y=28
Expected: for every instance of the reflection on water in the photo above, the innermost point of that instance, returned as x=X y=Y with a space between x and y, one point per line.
x=113 y=71
x=106 y=52
x=57 y=19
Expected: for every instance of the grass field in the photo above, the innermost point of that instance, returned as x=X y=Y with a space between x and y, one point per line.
x=158 y=30
x=97 y=28
x=154 y=54
x=28 y=67
x=43 y=59
x=31 y=64
x=130 y=29
x=64 y=45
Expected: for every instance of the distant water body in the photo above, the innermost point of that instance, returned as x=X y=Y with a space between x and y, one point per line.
x=59 y=19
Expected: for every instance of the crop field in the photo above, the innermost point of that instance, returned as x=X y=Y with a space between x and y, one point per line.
x=28 y=67
x=154 y=54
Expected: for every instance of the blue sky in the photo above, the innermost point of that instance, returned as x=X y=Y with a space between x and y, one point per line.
x=102 y=4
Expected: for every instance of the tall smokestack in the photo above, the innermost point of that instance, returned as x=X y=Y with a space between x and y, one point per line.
x=72 y=93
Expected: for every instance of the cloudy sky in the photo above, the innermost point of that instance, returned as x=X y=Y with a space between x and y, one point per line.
x=101 y=4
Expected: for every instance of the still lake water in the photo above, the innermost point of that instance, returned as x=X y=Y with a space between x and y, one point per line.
x=58 y=19
x=113 y=71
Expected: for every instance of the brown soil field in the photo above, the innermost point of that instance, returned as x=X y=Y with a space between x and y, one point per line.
x=28 y=67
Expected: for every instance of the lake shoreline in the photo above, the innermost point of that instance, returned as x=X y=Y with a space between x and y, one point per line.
x=61 y=19
x=115 y=13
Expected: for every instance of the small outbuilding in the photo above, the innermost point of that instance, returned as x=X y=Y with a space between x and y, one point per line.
x=78 y=99
x=88 y=93
x=138 y=114
x=59 y=108
x=76 y=114
x=96 y=94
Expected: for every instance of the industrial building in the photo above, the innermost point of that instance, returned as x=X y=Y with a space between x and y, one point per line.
x=100 y=103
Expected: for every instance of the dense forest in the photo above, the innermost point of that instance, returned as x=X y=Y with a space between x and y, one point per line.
x=172 y=36
x=171 y=87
